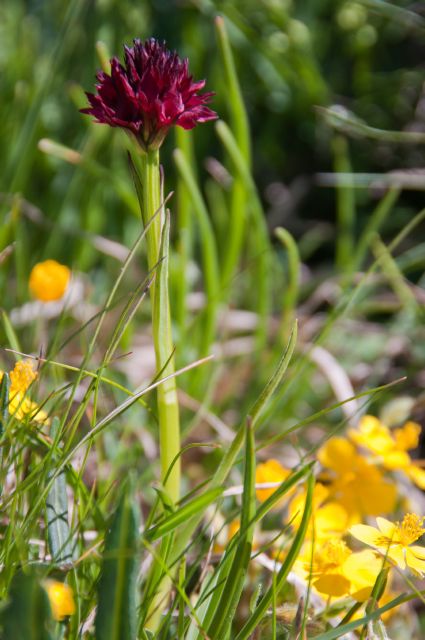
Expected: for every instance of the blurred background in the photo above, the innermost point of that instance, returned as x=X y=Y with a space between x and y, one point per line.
x=291 y=59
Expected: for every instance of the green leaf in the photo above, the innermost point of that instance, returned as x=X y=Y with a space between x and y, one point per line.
x=116 y=611
x=27 y=615
x=239 y=117
x=293 y=281
x=210 y=263
x=239 y=200
x=181 y=515
x=4 y=401
x=338 y=632
x=281 y=490
x=257 y=221
x=282 y=574
x=231 y=592
x=276 y=378
x=11 y=336
x=58 y=531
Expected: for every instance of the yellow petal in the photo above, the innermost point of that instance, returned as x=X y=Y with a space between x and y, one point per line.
x=386 y=527
x=396 y=553
x=337 y=454
x=331 y=519
x=362 y=569
x=367 y=534
x=408 y=436
x=394 y=460
x=373 y=435
x=416 y=474
x=415 y=559
x=332 y=585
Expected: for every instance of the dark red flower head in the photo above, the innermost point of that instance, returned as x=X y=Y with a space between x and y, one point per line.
x=149 y=94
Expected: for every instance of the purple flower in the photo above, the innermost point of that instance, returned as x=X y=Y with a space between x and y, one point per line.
x=149 y=94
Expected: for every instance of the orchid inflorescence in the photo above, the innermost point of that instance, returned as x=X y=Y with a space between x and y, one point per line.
x=147 y=95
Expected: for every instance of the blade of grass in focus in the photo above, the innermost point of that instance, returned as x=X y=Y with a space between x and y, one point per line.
x=282 y=573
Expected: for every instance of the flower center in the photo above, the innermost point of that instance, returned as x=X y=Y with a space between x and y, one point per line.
x=332 y=554
x=411 y=529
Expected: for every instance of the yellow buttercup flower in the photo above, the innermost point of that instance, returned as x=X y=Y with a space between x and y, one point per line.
x=61 y=599
x=327 y=568
x=354 y=483
x=49 y=280
x=20 y=405
x=395 y=540
x=391 y=446
x=270 y=471
x=334 y=570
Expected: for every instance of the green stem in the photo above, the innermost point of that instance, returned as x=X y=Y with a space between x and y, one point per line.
x=346 y=207
x=168 y=408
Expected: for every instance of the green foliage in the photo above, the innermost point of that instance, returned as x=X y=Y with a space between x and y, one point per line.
x=26 y=615
x=57 y=513
x=116 y=609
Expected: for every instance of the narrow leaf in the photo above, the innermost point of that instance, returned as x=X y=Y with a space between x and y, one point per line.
x=58 y=531
x=231 y=593
x=116 y=611
x=195 y=506
x=27 y=614
x=282 y=574
x=4 y=401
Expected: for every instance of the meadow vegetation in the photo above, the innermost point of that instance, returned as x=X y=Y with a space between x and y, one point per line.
x=212 y=336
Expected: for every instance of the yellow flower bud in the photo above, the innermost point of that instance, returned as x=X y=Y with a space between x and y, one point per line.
x=61 y=599
x=49 y=280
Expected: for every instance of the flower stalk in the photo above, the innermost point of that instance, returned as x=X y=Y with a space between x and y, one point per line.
x=167 y=402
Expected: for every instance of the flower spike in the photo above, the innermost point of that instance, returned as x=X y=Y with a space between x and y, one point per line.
x=149 y=94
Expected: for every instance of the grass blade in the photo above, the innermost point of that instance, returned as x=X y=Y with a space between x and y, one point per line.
x=116 y=612
x=240 y=126
x=209 y=254
x=292 y=288
x=194 y=507
x=231 y=593
x=27 y=614
x=267 y=599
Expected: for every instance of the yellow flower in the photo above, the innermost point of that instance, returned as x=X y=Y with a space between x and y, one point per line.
x=49 y=280
x=22 y=376
x=336 y=571
x=394 y=540
x=329 y=518
x=20 y=406
x=61 y=599
x=270 y=471
x=390 y=447
x=355 y=483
